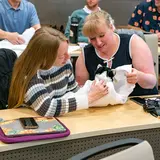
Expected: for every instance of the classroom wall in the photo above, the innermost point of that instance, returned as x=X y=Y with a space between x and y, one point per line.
x=57 y=11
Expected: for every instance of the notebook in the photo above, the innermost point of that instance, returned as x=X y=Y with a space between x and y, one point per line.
x=12 y=128
x=11 y=131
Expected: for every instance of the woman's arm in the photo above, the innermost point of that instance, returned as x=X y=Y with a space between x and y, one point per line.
x=55 y=102
x=143 y=72
x=40 y=99
x=82 y=74
x=36 y=26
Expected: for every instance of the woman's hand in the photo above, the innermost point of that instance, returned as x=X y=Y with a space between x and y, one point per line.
x=97 y=91
x=133 y=76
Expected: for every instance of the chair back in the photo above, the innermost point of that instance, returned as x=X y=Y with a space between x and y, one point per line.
x=7 y=60
x=139 y=150
x=142 y=151
x=152 y=41
x=130 y=32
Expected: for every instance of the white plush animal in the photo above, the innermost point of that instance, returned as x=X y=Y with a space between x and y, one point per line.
x=118 y=87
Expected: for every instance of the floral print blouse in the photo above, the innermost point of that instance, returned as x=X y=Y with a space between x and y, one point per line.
x=146 y=17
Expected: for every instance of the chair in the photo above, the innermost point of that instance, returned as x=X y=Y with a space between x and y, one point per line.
x=140 y=150
x=152 y=41
x=7 y=60
x=130 y=32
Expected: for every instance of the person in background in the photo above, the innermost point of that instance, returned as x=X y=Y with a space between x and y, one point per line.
x=80 y=14
x=113 y=50
x=42 y=75
x=16 y=17
x=146 y=17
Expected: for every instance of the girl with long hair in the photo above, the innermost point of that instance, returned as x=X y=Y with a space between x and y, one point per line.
x=43 y=74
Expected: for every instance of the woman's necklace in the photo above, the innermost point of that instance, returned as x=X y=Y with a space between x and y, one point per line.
x=109 y=62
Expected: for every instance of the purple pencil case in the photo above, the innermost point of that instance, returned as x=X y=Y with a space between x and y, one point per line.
x=11 y=131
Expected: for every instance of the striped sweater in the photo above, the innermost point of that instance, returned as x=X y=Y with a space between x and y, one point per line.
x=46 y=90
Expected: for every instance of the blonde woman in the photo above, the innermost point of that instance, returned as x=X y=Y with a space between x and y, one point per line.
x=113 y=50
x=43 y=74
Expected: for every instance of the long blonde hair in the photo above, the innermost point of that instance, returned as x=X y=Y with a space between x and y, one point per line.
x=40 y=53
x=94 y=20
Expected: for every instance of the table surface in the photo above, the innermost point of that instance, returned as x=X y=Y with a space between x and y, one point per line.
x=90 y=122
x=74 y=50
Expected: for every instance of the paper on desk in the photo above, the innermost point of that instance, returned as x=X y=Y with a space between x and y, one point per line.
x=27 y=35
x=82 y=44
x=73 y=48
x=18 y=49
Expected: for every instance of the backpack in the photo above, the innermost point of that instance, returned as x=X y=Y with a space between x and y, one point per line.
x=7 y=60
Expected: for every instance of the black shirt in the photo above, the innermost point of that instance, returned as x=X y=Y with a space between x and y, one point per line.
x=121 y=57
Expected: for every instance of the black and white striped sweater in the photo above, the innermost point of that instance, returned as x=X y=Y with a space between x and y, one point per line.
x=47 y=88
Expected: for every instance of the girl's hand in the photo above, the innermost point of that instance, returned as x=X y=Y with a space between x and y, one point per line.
x=97 y=91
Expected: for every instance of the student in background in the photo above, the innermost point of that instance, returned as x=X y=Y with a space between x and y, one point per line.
x=146 y=17
x=16 y=17
x=42 y=75
x=113 y=50
x=80 y=14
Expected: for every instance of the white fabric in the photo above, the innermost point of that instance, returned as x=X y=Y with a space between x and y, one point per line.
x=82 y=101
x=119 y=89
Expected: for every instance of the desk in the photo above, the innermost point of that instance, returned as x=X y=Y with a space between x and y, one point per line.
x=75 y=54
x=88 y=128
x=74 y=50
x=20 y=48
